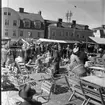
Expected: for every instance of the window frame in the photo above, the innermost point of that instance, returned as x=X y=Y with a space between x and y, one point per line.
x=14 y=31
x=5 y=12
x=25 y=22
x=6 y=22
x=14 y=22
x=39 y=34
x=6 y=31
x=21 y=33
x=9 y=13
x=67 y=33
x=53 y=31
x=37 y=24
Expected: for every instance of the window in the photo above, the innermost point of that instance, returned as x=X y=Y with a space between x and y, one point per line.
x=83 y=36
x=5 y=13
x=30 y=34
x=72 y=34
x=66 y=33
x=37 y=24
x=6 y=32
x=26 y=23
x=21 y=33
x=6 y=22
x=14 y=33
x=14 y=22
x=61 y=33
x=77 y=35
x=38 y=34
x=53 y=33
x=9 y=13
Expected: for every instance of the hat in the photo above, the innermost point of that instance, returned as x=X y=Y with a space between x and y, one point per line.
x=100 y=50
x=75 y=50
x=26 y=91
x=76 y=44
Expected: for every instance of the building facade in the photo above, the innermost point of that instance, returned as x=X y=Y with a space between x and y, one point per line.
x=71 y=31
x=20 y=24
x=99 y=31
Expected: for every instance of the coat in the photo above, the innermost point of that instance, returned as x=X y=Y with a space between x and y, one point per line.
x=31 y=103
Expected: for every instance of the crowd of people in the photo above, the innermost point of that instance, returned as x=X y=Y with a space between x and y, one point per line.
x=54 y=53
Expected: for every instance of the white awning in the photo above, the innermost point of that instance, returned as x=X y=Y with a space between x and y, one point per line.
x=98 y=40
x=56 y=41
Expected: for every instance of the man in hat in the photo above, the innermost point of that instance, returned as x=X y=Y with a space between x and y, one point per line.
x=27 y=94
x=76 y=66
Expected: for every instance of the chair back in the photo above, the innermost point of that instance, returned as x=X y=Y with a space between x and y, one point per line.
x=46 y=86
x=21 y=67
x=93 y=91
x=71 y=81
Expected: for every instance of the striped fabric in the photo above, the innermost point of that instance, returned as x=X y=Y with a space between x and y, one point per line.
x=22 y=67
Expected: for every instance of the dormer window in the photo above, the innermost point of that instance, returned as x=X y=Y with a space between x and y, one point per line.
x=26 y=23
x=37 y=24
x=5 y=13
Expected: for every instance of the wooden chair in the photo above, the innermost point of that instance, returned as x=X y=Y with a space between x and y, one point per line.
x=46 y=89
x=92 y=93
x=22 y=68
x=74 y=87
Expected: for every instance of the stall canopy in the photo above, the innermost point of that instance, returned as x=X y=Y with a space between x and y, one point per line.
x=98 y=40
x=56 y=41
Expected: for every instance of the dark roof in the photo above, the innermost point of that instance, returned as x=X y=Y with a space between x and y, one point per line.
x=65 y=24
x=31 y=16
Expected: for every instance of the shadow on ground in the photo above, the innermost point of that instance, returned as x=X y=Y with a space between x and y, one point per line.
x=63 y=70
x=61 y=89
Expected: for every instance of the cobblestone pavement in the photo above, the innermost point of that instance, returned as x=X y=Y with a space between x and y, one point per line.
x=61 y=96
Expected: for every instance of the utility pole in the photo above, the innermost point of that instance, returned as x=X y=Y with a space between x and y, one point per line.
x=69 y=14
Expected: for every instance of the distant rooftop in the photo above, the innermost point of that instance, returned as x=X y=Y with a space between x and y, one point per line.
x=65 y=24
x=31 y=16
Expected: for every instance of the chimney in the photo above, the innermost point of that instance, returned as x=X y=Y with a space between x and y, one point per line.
x=21 y=10
x=59 y=23
x=103 y=26
x=73 y=23
x=60 y=20
x=40 y=12
x=86 y=27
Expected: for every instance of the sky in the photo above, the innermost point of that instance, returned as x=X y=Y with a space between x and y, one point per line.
x=88 y=12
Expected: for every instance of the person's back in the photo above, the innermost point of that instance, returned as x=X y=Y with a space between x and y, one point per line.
x=76 y=65
x=4 y=53
x=82 y=56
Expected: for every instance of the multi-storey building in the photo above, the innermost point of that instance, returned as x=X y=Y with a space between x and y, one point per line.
x=67 y=31
x=99 y=31
x=20 y=24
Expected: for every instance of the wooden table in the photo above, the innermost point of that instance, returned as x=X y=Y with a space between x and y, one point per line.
x=95 y=80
